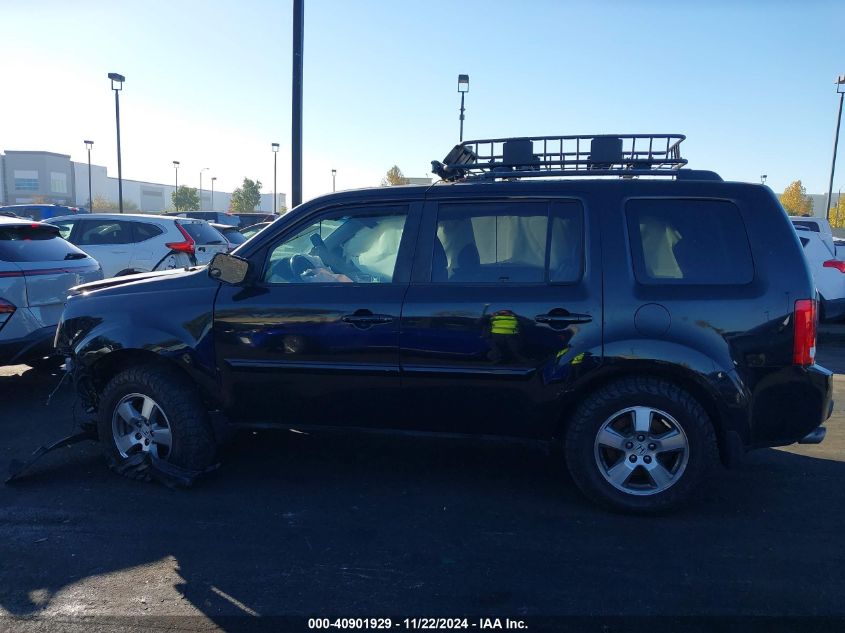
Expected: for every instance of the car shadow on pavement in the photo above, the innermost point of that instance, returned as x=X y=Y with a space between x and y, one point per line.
x=367 y=525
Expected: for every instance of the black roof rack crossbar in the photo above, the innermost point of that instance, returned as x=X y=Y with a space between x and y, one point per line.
x=575 y=155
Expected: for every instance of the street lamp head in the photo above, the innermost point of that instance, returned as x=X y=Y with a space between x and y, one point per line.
x=176 y=164
x=213 y=178
x=334 y=172
x=118 y=78
x=840 y=83
x=88 y=144
x=463 y=83
x=275 y=146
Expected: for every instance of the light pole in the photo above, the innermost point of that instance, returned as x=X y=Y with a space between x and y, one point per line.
x=88 y=146
x=763 y=178
x=463 y=88
x=201 y=170
x=275 y=148
x=176 y=190
x=296 y=103
x=840 y=89
x=334 y=173
x=213 y=178
x=118 y=79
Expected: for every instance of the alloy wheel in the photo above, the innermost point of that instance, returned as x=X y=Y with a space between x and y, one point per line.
x=641 y=450
x=138 y=425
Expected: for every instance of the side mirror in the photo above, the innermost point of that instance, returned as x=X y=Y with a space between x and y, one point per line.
x=228 y=268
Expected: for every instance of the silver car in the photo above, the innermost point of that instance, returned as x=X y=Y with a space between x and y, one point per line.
x=37 y=267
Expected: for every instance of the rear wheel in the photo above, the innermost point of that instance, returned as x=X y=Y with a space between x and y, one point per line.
x=640 y=445
x=154 y=409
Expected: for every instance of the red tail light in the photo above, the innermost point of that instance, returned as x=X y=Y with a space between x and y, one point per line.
x=835 y=263
x=182 y=247
x=804 y=343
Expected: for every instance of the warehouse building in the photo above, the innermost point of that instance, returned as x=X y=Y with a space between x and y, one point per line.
x=46 y=177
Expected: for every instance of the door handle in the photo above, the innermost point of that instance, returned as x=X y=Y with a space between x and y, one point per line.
x=560 y=318
x=365 y=318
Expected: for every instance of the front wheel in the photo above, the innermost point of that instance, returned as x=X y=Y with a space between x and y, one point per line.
x=640 y=445
x=154 y=409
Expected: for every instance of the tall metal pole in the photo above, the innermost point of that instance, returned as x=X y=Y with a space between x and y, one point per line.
x=461 y=139
x=213 y=178
x=334 y=174
x=89 y=145
x=119 y=166
x=840 y=88
x=296 y=105
x=200 y=190
x=275 y=196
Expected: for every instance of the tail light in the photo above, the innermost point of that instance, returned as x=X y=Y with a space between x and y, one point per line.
x=835 y=263
x=182 y=247
x=7 y=309
x=804 y=343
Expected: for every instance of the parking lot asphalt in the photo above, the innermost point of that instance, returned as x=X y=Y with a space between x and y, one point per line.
x=296 y=524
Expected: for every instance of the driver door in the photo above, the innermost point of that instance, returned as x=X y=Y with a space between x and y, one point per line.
x=315 y=340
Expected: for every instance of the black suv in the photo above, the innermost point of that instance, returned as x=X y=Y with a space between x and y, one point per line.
x=590 y=291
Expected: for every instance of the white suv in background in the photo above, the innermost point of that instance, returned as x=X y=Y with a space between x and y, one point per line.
x=134 y=243
x=827 y=267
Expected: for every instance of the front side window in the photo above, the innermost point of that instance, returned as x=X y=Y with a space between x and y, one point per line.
x=95 y=232
x=508 y=242
x=684 y=241
x=343 y=248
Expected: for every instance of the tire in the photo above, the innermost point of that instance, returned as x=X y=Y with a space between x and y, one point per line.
x=640 y=472
x=177 y=408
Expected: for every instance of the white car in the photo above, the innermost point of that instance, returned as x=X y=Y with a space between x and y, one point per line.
x=828 y=271
x=134 y=243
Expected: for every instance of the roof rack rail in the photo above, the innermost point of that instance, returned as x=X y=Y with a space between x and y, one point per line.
x=625 y=155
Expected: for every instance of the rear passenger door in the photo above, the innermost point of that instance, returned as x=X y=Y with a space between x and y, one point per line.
x=502 y=315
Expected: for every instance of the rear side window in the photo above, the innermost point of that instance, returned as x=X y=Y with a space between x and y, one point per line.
x=684 y=241
x=98 y=232
x=234 y=236
x=508 y=242
x=35 y=244
x=144 y=231
x=202 y=233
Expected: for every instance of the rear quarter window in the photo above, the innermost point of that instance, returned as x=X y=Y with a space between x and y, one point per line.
x=202 y=233
x=35 y=244
x=688 y=242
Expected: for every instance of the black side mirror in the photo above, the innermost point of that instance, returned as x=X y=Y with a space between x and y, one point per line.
x=228 y=268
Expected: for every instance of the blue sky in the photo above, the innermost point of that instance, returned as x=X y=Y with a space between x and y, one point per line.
x=208 y=83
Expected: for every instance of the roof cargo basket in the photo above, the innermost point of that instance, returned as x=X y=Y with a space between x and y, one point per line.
x=625 y=155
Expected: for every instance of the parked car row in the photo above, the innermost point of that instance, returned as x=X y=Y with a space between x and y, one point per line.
x=41 y=261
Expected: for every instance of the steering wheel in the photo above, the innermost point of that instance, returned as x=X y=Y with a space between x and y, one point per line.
x=299 y=264
x=335 y=263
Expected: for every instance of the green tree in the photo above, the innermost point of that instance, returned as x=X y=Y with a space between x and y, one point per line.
x=795 y=199
x=394 y=176
x=185 y=199
x=101 y=204
x=246 y=197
